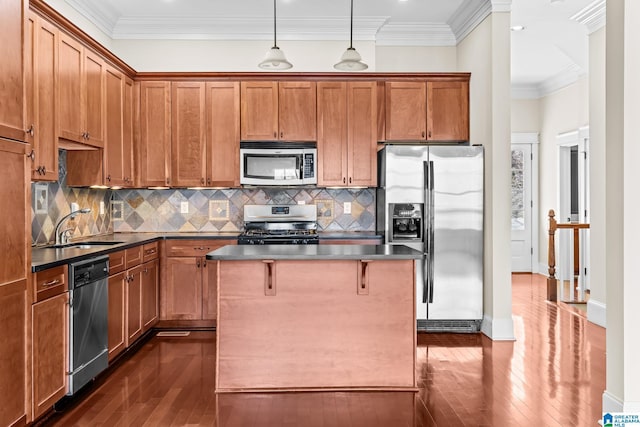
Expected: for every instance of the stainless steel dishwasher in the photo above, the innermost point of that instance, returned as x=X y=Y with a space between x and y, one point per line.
x=88 y=329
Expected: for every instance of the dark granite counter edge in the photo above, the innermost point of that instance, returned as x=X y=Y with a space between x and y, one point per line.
x=314 y=252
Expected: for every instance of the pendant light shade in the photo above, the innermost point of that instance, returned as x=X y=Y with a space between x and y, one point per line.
x=351 y=59
x=275 y=59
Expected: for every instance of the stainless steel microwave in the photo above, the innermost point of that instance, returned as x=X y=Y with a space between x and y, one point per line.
x=278 y=163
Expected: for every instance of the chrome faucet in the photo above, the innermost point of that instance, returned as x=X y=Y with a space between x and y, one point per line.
x=61 y=236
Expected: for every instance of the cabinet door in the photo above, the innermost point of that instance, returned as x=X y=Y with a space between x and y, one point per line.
x=50 y=347
x=11 y=69
x=41 y=69
x=117 y=316
x=14 y=269
x=93 y=107
x=113 y=147
x=188 y=158
x=134 y=304
x=127 y=132
x=149 y=294
x=155 y=134
x=362 y=146
x=182 y=289
x=297 y=111
x=406 y=108
x=447 y=111
x=223 y=134
x=259 y=116
x=332 y=133
x=70 y=98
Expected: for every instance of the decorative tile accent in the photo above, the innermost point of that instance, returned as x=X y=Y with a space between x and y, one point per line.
x=41 y=198
x=117 y=211
x=218 y=210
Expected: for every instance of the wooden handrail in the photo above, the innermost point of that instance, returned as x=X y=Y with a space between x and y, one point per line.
x=552 y=281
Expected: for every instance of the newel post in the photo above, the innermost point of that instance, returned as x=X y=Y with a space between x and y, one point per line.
x=552 y=282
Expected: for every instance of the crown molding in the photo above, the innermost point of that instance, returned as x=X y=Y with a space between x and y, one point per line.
x=501 y=5
x=415 y=34
x=246 y=28
x=560 y=80
x=101 y=14
x=468 y=16
x=525 y=138
x=593 y=16
x=525 y=91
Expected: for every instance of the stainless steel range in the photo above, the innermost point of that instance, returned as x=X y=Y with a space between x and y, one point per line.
x=279 y=225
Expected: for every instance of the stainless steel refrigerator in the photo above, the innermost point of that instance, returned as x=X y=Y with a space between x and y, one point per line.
x=431 y=199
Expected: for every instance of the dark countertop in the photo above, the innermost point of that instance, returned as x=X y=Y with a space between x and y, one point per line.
x=43 y=257
x=314 y=252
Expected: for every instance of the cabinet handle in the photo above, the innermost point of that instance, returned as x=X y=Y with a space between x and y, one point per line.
x=204 y=263
x=201 y=180
x=167 y=181
x=32 y=155
x=269 y=278
x=109 y=177
x=150 y=251
x=423 y=134
x=349 y=180
x=344 y=180
x=145 y=271
x=51 y=283
x=429 y=134
x=275 y=134
x=88 y=136
x=363 y=286
x=44 y=170
x=200 y=248
x=208 y=181
x=30 y=131
x=39 y=170
x=281 y=134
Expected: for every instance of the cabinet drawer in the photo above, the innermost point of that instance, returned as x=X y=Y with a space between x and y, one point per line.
x=150 y=252
x=50 y=282
x=116 y=262
x=195 y=248
x=133 y=256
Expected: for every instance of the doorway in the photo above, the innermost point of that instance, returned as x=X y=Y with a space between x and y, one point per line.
x=524 y=194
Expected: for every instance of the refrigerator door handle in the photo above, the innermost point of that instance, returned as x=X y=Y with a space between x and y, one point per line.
x=426 y=233
x=431 y=231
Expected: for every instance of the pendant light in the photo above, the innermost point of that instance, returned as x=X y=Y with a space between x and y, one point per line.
x=351 y=59
x=275 y=59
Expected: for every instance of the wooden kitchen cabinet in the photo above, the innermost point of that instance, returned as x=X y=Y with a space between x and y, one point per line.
x=278 y=111
x=427 y=111
x=133 y=284
x=223 y=134
x=81 y=96
x=15 y=266
x=188 y=126
x=12 y=17
x=347 y=134
x=50 y=349
x=149 y=294
x=154 y=150
x=41 y=61
x=117 y=314
x=189 y=286
x=118 y=147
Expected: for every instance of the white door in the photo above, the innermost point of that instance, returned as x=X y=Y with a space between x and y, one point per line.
x=521 y=208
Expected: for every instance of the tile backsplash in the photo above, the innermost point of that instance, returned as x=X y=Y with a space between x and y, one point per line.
x=207 y=210
x=221 y=210
x=50 y=201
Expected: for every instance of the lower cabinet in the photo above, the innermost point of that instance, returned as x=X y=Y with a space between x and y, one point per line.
x=133 y=295
x=49 y=339
x=189 y=289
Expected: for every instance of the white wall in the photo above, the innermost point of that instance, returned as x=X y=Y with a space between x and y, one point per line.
x=525 y=115
x=486 y=54
x=81 y=22
x=416 y=59
x=562 y=111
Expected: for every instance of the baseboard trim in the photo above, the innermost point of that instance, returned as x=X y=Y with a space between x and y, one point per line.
x=543 y=269
x=610 y=403
x=498 y=329
x=597 y=313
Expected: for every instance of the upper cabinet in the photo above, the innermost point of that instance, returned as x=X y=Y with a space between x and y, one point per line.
x=154 y=150
x=41 y=60
x=188 y=144
x=118 y=150
x=12 y=124
x=427 y=111
x=223 y=134
x=347 y=133
x=278 y=111
x=81 y=75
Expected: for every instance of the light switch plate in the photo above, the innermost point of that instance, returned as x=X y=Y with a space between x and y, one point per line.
x=346 y=208
x=184 y=207
x=101 y=207
x=301 y=202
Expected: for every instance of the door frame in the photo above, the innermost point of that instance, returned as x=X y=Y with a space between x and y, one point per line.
x=532 y=139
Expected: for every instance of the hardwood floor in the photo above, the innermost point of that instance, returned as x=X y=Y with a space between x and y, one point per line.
x=552 y=375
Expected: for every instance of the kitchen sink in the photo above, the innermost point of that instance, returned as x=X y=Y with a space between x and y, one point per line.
x=84 y=245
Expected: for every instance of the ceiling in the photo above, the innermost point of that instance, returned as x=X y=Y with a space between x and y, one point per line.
x=550 y=52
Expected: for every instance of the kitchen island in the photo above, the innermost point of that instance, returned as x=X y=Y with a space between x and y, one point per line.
x=315 y=317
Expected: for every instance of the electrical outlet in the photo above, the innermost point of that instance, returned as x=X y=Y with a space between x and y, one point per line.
x=346 y=208
x=184 y=207
x=301 y=202
x=101 y=207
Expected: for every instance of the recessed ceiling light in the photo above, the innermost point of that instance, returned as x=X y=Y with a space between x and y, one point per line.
x=517 y=28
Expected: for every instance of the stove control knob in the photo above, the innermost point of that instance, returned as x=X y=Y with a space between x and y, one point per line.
x=261 y=242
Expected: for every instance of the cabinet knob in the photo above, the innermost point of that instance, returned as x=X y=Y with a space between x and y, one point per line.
x=281 y=134
x=202 y=181
x=208 y=181
x=32 y=155
x=109 y=177
x=167 y=181
x=344 y=180
x=349 y=180
x=88 y=136
x=423 y=135
x=30 y=131
x=429 y=135
x=275 y=134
